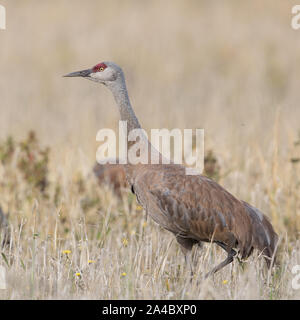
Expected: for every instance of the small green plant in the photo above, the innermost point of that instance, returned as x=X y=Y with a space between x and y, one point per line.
x=7 y=150
x=33 y=163
x=32 y=160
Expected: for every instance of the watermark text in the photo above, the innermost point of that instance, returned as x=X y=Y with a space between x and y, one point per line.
x=164 y=147
x=2 y=18
x=295 y=22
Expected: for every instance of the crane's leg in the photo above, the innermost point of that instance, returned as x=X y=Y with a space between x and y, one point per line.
x=186 y=246
x=229 y=259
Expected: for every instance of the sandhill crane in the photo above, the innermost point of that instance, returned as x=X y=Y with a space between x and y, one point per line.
x=113 y=174
x=193 y=207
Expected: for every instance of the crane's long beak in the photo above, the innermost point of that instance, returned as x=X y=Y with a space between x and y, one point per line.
x=82 y=73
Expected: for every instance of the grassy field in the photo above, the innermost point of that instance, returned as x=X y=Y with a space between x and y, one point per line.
x=230 y=67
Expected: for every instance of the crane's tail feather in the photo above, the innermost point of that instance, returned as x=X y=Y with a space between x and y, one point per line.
x=264 y=238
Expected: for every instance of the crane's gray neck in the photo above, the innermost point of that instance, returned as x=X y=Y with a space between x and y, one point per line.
x=119 y=90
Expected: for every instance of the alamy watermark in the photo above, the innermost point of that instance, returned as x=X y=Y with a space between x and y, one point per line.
x=295 y=22
x=166 y=146
x=2 y=278
x=296 y=279
x=2 y=18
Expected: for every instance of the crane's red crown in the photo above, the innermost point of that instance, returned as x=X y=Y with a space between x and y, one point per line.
x=99 y=67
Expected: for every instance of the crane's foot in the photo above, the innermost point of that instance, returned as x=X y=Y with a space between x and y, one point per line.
x=224 y=263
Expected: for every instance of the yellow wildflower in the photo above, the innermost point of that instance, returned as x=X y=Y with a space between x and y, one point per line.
x=66 y=251
x=125 y=242
x=139 y=208
x=124 y=274
x=91 y=261
x=225 y=281
x=78 y=274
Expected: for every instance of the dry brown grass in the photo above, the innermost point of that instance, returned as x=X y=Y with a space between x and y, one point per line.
x=229 y=67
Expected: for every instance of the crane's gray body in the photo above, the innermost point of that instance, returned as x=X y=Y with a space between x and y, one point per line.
x=194 y=208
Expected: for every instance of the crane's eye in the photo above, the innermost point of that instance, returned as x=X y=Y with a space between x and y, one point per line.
x=99 y=67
